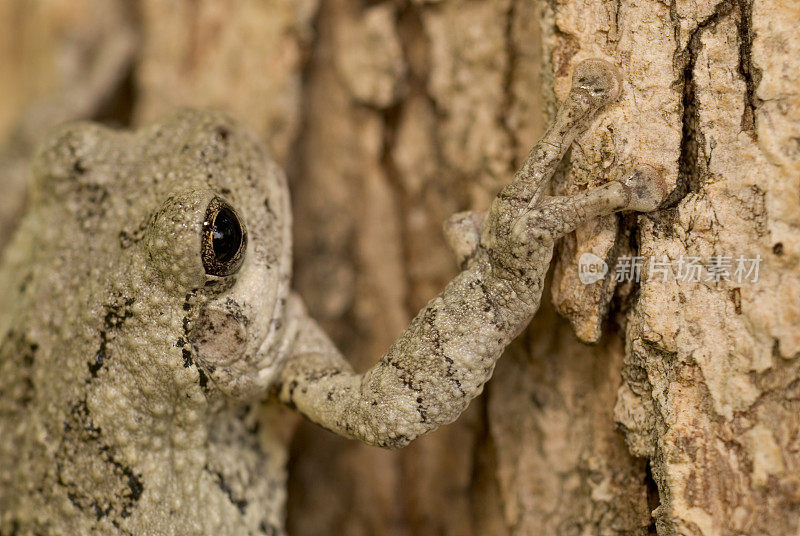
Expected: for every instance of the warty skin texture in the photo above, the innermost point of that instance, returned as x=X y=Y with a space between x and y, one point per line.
x=130 y=378
x=110 y=423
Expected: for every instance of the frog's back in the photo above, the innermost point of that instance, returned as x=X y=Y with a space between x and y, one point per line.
x=44 y=290
x=54 y=278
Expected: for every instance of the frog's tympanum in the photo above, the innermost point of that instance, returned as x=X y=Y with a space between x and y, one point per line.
x=147 y=314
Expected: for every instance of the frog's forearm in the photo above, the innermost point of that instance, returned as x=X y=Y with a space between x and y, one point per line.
x=430 y=373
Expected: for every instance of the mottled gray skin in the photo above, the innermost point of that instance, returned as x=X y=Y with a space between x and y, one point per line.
x=130 y=378
x=112 y=420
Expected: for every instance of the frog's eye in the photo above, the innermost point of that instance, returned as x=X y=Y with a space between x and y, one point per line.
x=224 y=239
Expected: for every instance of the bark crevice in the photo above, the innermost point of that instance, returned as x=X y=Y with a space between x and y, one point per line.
x=693 y=162
x=749 y=72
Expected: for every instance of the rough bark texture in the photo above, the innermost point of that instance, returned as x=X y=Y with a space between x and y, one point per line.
x=389 y=116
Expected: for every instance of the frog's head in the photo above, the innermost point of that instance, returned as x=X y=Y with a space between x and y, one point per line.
x=222 y=241
x=196 y=220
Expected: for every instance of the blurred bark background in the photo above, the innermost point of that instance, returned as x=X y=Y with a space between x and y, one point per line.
x=680 y=418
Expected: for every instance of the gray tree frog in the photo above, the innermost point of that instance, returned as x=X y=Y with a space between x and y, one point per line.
x=146 y=310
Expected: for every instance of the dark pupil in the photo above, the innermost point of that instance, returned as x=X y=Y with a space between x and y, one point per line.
x=226 y=235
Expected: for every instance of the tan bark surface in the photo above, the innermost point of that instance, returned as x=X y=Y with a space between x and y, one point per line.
x=389 y=116
x=709 y=368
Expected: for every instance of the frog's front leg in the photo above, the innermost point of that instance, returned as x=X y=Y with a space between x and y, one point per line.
x=442 y=360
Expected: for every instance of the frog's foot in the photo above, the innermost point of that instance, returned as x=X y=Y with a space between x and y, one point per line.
x=462 y=231
x=647 y=188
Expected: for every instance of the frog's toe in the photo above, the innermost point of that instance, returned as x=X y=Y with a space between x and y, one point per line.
x=647 y=187
x=601 y=79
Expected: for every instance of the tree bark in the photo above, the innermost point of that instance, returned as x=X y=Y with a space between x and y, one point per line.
x=681 y=417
